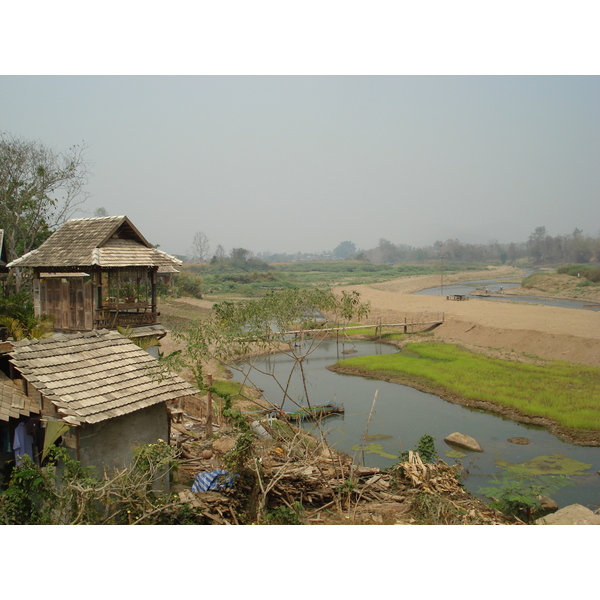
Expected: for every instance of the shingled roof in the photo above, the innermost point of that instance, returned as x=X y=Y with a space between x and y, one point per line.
x=13 y=401
x=102 y=241
x=94 y=376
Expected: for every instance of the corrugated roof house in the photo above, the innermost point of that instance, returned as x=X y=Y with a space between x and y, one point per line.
x=96 y=273
x=101 y=384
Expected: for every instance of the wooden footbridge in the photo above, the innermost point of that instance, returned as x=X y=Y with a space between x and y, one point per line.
x=411 y=323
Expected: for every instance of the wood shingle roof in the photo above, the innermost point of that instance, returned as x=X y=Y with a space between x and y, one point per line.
x=94 y=376
x=13 y=401
x=102 y=241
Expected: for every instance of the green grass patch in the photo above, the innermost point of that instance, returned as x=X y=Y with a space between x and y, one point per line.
x=355 y=272
x=567 y=393
x=233 y=388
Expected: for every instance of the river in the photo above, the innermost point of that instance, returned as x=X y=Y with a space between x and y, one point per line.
x=497 y=286
x=402 y=415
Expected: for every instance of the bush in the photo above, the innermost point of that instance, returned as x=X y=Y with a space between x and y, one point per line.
x=186 y=284
x=63 y=492
x=589 y=272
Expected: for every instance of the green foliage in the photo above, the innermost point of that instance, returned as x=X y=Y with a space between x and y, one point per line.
x=30 y=497
x=237 y=459
x=426 y=449
x=29 y=327
x=18 y=316
x=187 y=284
x=284 y=311
x=519 y=494
x=285 y=515
x=32 y=179
x=64 y=492
x=589 y=272
x=348 y=487
x=18 y=306
x=149 y=458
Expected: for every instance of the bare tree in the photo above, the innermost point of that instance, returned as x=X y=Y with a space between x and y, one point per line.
x=39 y=190
x=200 y=246
x=220 y=252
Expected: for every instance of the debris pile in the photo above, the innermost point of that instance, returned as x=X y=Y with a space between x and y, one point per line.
x=293 y=472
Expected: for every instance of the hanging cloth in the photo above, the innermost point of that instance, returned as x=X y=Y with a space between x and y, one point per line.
x=23 y=443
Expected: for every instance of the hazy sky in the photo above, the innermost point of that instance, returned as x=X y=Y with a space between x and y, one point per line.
x=301 y=163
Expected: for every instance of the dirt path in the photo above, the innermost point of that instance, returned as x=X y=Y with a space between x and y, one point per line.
x=509 y=329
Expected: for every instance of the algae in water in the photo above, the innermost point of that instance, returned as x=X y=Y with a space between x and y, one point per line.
x=373 y=449
x=554 y=464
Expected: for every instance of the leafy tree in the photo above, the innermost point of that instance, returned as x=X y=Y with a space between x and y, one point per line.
x=100 y=212
x=237 y=329
x=39 y=189
x=240 y=254
x=345 y=250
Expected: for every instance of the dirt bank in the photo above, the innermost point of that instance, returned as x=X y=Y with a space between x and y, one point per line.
x=508 y=329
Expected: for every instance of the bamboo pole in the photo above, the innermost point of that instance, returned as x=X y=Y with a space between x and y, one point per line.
x=209 y=410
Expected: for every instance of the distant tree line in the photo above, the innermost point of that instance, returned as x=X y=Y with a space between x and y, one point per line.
x=540 y=248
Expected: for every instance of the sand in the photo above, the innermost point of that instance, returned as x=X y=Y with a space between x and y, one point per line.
x=501 y=328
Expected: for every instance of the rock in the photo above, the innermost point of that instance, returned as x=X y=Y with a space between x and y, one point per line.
x=523 y=441
x=224 y=444
x=463 y=441
x=574 y=514
x=547 y=505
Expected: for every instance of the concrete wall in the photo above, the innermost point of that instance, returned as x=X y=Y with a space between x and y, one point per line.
x=110 y=443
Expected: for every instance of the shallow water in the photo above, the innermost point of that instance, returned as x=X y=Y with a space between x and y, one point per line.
x=496 y=286
x=402 y=415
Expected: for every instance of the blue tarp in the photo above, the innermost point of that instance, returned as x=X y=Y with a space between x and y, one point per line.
x=213 y=481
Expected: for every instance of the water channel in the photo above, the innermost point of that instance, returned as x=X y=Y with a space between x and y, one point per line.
x=497 y=286
x=402 y=415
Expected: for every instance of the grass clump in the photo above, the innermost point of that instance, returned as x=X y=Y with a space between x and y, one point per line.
x=567 y=393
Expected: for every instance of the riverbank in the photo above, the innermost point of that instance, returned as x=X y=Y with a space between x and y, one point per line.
x=579 y=437
x=507 y=330
x=500 y=329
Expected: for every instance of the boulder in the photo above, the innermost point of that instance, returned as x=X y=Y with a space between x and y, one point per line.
x=463 y=441
x=547 y=505
x=523 y=441
x=574 y=514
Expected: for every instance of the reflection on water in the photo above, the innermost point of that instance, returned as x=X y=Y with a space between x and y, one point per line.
x=402 y=415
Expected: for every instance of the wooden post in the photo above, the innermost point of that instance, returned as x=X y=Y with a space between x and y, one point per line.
x=209 y=411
